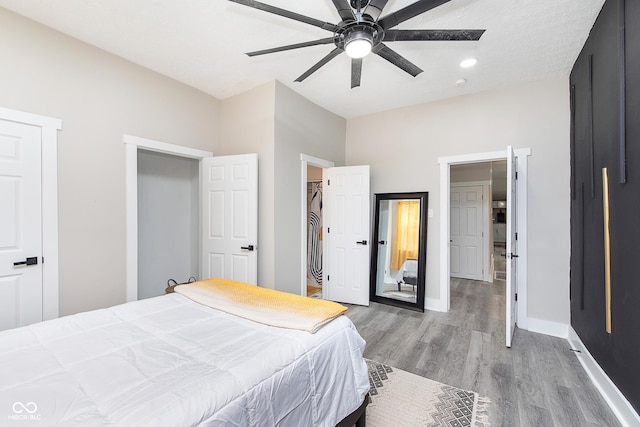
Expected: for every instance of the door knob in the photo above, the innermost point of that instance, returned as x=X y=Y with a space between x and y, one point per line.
x=382 y=242
x=28 y=261
x=247 y=248
x=363 y=242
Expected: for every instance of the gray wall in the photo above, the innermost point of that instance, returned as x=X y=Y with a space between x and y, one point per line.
x=300 y=127
x=248 y=127
x=279 y=125
x=168 y=221
x=402 y=146
x=99 y=97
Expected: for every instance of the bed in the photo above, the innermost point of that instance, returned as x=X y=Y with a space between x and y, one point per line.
x=172 y=361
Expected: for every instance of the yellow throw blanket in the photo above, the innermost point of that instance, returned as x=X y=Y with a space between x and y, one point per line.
x=262 y=305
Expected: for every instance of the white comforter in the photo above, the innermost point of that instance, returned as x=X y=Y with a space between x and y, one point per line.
x=169 y=361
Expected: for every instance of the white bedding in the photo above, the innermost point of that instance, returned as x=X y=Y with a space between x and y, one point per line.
x=169 y=361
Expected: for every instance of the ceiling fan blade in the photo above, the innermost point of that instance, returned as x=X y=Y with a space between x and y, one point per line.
x=375 y=8
x=396 y=59
x=335 y=52
x=356 y=72
x=409 y=12
x=432 y=35
x=291 y=46
x=344 y=9
x=288 y=14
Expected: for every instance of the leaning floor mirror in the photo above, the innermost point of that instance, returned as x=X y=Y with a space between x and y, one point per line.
x=399 y=252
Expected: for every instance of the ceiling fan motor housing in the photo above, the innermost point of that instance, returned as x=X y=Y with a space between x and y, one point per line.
x=363 y=4
x=370 y=31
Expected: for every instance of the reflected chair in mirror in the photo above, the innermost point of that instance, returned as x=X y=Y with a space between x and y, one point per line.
x=408 y=274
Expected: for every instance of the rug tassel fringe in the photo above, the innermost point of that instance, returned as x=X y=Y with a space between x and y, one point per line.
x=481 y=412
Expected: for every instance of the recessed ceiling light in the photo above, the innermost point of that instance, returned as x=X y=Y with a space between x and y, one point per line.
x=461 y=82
x=468 y=62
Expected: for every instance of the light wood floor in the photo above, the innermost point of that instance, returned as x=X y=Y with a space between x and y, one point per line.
x=537 y=382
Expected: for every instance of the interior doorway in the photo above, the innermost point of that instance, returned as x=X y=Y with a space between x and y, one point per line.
x=168 y=193
x=313 y=246
x=520 y=163
x=478 y=221
x=134 y=146
x=314 y=231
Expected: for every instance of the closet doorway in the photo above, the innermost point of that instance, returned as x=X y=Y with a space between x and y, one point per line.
x=153 y=156
x=314 y=231
x=168 y=221
x=313 y=245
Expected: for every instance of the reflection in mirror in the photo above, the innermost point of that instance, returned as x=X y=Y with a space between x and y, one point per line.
x=399 y=255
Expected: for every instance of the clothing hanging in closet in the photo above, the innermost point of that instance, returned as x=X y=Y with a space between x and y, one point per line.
x=314 y=251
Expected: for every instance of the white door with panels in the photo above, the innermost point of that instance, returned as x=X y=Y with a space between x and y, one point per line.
x=230 y=217
x=466 y=233
x=512 y=250
x=21 y=276
x=347 y=228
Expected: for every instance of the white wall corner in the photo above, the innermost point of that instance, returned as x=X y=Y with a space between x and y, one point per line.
x=611 y=394
x=433 y=304
x=555 y=329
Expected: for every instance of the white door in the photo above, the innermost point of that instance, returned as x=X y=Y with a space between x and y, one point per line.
x=20 y=225
x=347 y=228
x=230 y=217
x=466 y=232
x=512 y=256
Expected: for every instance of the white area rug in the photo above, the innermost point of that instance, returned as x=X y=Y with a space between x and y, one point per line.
x=399 y=399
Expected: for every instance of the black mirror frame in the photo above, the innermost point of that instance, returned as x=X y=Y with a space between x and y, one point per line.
x=422 y=250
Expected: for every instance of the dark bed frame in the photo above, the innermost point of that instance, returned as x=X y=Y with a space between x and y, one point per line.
x=357 y=418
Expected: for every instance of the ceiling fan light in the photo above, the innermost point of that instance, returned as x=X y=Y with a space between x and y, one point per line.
x=358 y=44
x=358 y=48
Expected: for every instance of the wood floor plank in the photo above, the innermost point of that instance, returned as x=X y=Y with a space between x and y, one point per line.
x=565 y=409
x=535 y=416
x=537 y=382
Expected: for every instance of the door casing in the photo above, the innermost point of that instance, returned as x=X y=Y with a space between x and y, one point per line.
x=132 y=145
x=306 y=160
x=445 y=183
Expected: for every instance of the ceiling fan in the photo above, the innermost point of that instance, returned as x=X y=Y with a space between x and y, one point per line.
x=361 y=31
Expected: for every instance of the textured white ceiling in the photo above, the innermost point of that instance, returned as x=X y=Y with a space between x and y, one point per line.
x=201 y=43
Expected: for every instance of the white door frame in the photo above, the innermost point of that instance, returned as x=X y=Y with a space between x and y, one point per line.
x=50 y=270
x=521 y=211
x=486 y=214
x=132 y=145
x=305 y=161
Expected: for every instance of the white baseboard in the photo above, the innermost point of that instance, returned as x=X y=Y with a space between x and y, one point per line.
x=546 y=327
x=432 y=304
x=614 y=398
